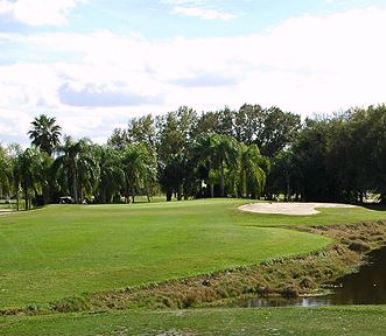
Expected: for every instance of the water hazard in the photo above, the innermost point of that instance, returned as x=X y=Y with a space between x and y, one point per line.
x=368 y=286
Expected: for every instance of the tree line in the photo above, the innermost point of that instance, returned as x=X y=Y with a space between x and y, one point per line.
x=249 y=153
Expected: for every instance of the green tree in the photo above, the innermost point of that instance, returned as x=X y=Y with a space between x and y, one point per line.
x=111 y=173
x=270 y=129
x=138 y=169
x=174 y=135
x=28 y=174
x=5 y=172
x=142 y=130
x=45 y=133
x=74 y=166
x=219 y=152
x=249 y=123
x=253 y=169
x=119 y=139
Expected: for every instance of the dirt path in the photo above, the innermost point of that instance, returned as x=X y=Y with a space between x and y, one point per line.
x=292 y=209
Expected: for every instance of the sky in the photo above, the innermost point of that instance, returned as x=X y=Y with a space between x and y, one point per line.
x=94 y=64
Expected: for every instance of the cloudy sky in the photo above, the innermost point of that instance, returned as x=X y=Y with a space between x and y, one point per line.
x=95 y=63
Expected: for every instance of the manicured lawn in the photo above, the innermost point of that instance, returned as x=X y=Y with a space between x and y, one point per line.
x=353 y=321
x=64 y=250
x=6 y=206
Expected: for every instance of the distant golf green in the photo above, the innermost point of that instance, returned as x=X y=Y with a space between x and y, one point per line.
x=65 y=250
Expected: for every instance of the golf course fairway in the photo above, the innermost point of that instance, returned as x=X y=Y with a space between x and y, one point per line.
x=65 y=250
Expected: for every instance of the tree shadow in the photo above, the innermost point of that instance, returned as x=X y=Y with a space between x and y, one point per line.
x=375 y=207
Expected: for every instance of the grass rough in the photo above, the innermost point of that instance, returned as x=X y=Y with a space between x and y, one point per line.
x=330 y=321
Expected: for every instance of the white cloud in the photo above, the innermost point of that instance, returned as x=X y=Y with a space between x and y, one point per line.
x=203 y=13
x=306 y=64
x=38 y=12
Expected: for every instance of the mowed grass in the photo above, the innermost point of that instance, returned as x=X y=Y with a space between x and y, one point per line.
x=334 y=321
x=62 y=251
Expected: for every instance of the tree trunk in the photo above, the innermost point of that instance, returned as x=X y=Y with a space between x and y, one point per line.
x=75 y=188
x=288 y=187
x=222 y=180
x=169 y=195
x=46 y=193
x=243 y=191
x=148 y=192
x=18 y=197
x=179 y=192
x=211 y=186
x=103 y=195
x=185 y=192
x=26 y=205
x=81 y=195
x=127 y=197
x=133 y=194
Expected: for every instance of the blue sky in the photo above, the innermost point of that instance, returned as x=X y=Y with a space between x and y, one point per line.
x=96 y=63
x=157 y=19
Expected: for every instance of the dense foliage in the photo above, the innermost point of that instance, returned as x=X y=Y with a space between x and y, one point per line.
x=251 y=152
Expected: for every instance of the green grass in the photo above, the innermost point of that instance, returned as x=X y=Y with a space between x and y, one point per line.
x=6 y=206
x=355 y=321
x=61 y=251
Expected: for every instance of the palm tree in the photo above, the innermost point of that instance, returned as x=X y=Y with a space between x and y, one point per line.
x=75 y=166
x=252 y=173
x=111 y=174
x=137 y=167
x=28 y=172
x=227 y=154
x=203 y=154
x=45 y=133
x=5 y=172
x=219 y=151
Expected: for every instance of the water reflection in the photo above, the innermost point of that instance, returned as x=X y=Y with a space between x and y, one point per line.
x=368 y=286
x=281 y=302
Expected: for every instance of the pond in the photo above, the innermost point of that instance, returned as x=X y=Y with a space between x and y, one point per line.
x=368 y=286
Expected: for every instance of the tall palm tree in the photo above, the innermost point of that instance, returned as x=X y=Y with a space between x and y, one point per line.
x=219 y=151
x=5 y=172
x=45 y=133
x=111 y=173
x=203 y=154
x=252 y=173
x=227 y=154
x=75 y=166
x=28 y=172
x=137 y=167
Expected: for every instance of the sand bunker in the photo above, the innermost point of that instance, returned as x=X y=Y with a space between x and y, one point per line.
x=293 y=209
x=5 y=211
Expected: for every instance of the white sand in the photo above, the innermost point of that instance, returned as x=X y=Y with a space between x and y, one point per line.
x=292 y=209
x=5 y=211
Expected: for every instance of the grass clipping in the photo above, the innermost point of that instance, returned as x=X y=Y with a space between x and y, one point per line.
x=291 y=277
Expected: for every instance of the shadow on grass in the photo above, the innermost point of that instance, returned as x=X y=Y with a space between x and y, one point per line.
x=375 y=207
